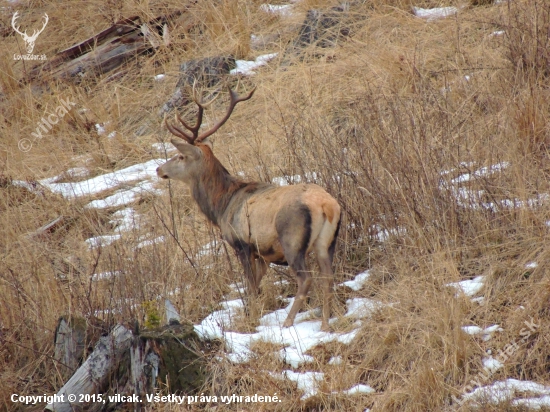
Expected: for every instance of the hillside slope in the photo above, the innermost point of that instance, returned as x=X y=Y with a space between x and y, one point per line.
x=427 y=120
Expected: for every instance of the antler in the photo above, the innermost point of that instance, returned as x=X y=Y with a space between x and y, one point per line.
x=13 y=19
x=195 y=137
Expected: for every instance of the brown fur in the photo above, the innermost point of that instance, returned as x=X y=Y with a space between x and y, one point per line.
x=263 y=223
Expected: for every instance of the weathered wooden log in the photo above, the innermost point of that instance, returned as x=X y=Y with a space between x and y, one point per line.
x=181 y=366
x=102 y=52
x=171 y=312
x=92 y=376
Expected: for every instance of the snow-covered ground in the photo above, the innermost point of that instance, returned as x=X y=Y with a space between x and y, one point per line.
x=295 y=341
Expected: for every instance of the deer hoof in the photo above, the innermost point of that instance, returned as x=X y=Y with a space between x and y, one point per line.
x=288 y=323
x=325 y=327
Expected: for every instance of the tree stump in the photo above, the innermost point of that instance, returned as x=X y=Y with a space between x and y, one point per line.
x=125 y=364
x=92 y=376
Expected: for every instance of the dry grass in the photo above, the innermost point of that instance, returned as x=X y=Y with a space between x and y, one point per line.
x=377 y=118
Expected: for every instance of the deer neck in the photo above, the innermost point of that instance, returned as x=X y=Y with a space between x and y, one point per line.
x=215 y=188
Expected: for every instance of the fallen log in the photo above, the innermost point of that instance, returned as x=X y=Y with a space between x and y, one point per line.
x=104 y=51
x=70 y=337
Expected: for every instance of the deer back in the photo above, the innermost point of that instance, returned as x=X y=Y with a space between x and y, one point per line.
x=256 y=216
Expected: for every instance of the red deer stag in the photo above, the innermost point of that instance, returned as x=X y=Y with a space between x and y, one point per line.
x=264 y=223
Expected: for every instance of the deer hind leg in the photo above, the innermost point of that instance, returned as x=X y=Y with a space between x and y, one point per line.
x=325 y=245
x=327 y=276
x=293 y=226
x=298 y=266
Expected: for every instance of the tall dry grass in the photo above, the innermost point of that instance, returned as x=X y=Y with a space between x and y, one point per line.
x=376 y=120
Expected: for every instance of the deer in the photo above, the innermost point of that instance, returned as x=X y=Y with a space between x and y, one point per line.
x=29 y=40
x=263 y=223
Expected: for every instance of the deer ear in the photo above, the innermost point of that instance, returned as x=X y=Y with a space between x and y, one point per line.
x=186 y=148
x=208 y=143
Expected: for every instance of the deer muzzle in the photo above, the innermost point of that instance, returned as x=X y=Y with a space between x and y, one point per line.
x=161 y=174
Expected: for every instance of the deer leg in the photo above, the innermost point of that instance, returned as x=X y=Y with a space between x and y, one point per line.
x=248 y=261
x=327 y=281
x=261 y=269
x=304 y=282
x=293 y=226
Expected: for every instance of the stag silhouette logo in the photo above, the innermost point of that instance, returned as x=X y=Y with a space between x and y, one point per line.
x=29 y=40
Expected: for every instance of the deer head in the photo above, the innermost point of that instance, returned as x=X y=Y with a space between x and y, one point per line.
x=29 y=40
x=187 y=165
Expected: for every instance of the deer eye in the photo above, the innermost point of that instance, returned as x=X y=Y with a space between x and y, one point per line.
x=181 y=157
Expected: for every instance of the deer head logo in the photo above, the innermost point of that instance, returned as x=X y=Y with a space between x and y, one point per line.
x=29 y=40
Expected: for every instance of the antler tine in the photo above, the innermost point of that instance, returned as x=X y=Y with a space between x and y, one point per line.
x=234 y=100
x=176 y=131
x=200 y=103
x=192 y=129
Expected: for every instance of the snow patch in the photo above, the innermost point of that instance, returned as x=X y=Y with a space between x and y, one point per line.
x=468 y=287
x=105 y=275
x=357 y=282
x=124 y=197
x=491 y=364
x=486 y=334
x=296 y=340
x=101 y=241
x=307 y=382
x=283 y=10
x=360 y=388
x=291 y=180
x=362 y=307
x=504 y=391
x=162 y=147
x=150 y=242
x=435 y=13
x=104 y=182
x=247 y=68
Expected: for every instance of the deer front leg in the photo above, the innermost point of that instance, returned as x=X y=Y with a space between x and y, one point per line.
x=261 y=269
x=248 y=262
